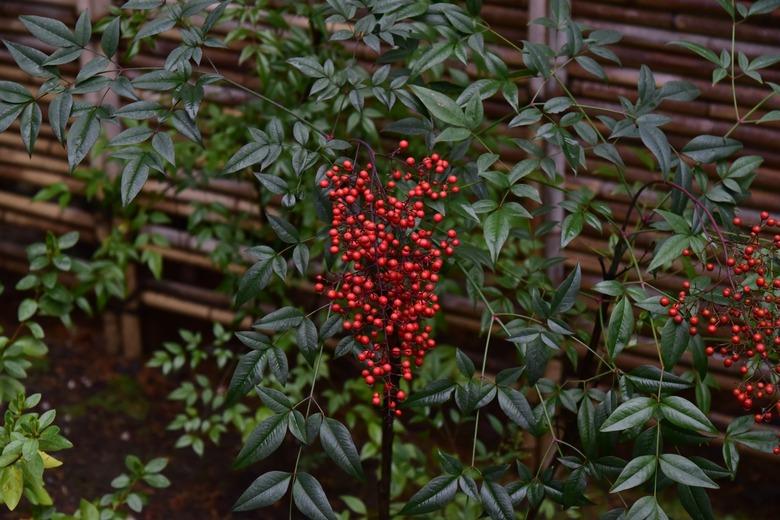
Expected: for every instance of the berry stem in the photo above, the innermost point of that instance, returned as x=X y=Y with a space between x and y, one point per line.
x=387 y=462
x=388 y=417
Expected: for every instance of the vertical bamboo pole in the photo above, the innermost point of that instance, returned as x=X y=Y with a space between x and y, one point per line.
x=121 y=330
x=551 y=197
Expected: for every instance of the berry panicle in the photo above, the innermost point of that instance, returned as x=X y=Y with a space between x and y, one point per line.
x=391 y=253
x=739 y=315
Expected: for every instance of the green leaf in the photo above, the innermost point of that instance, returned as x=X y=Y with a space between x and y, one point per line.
x=557 y=104
x=134 y=176
x=620 y=327
x=300 y=258
x=464 y=363
x=139 y=110
x=658 y=144
x=648 y=378
x=29 y=125
x=82 y=136
x=248 y=373
x=637 y=472
x=566 y=294
x=338 y=444
x=158 y=80
x=280 y=319
x=674 y=341
x=496 y=501
x=696 y=502
x=685 y=414
x=247 y=155
x=11 y=92
x=591 y=66
x=763 y=7
x=310 y=499
x=8 y=114
x=437 y=392
x=761 y=440
x=133 y=135
x=669 y=250
x=49 y=30
x=710 y=148
x=514 y=404
x=586 y=427
x=29 y=60
x=307 y=339
x=264 y=440
x=496 y=230
x=27 y=309
x=274 y=399
x=435 y=54
x=11 y=485
x=109 y=41
x=254 y=280
x=155 y=26
x=571 y=227
x=629 y=414
x=440 y=106
x=698 y=49
x=433 y=496
x=163 y=145
x=684 y=471
x=264 y=491
x=453 y=134
x=277 y=362
x=283 y=229
x=772 y=115
x=646 y=508
x=527 y=117
x=60 y=109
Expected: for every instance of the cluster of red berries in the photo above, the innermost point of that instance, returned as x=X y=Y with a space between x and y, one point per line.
x=391 y=254
x=739 y=315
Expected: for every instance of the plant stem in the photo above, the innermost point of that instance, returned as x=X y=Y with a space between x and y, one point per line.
x=387 y=462
x=388 y=417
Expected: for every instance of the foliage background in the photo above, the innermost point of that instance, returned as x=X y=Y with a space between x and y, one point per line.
x=187 y=268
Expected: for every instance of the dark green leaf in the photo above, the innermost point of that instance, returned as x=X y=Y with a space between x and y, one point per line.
x=163 y=144
x=280 y=319
x=514 y=404
x=566 y=294
x=710 y=148
x=264 y=491
x=248 y=373
x=683 y=413
x=684 y=471
x=29 y=125
x=620 y=327
x=629 y=414
x=310 y=499
x=134 y=175
x=109 y=41
x=636 y=472
x=436 y=392
x=49 y=30
x=647 y=378
x=496 y=501
x=433 y=496
x=338 y=444
x=696 y=502
x=82 y=136
x=59 y=113
x=440 y=106
x=264 y=440
x=247 y=155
